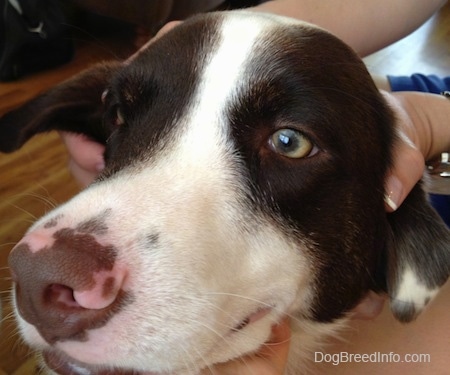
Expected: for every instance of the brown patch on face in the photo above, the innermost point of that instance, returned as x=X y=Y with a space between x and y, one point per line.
x=96 y=225
x=153 y=240
x=45 y=281
x=52 y=222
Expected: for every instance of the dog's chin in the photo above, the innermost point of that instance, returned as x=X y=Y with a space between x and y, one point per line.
x=60 y=363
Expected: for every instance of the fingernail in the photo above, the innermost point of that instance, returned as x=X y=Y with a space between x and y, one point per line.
x=394 y=189
x=390 y=202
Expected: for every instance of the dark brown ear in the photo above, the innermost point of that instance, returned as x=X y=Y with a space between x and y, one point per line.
x=74 y=105
x=418 y=259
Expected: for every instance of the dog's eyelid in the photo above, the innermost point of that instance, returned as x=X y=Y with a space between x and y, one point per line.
x=114 y=115
x=304 y=129
x=109 y=99
x=110 y=96
x=120 y=120
x=104 y=95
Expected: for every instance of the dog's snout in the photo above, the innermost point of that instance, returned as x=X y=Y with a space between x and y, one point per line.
x=66 y=283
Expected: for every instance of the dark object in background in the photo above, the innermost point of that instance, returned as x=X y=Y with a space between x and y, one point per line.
x=33 y=37
x=152 y=14
x=439 y=186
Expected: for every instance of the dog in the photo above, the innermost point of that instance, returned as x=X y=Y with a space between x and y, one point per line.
x=245 y=161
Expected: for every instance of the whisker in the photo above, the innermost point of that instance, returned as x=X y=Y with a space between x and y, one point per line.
x=48 y=200
x=4 y=293
x=214 y=306
x=28 y=213
x=262 y=303
x=247 y=298
x=189 y=366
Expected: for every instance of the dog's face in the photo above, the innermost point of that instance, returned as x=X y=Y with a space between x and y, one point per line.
x=245 y=164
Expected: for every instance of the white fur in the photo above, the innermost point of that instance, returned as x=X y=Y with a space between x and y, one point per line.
x=215 y=261
x=411 y=290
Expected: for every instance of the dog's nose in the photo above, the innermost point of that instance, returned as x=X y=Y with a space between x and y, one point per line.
x=66 y=283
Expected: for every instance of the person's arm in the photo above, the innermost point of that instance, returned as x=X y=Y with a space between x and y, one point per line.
x=432 y=112
x=366 y=25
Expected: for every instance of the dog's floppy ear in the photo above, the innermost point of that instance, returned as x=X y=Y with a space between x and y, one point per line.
x=74 y=105
x=418 y=258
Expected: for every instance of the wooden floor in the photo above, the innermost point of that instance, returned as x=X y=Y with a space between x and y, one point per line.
x=35 y=179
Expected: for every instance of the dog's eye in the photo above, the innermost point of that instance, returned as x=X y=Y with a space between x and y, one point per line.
x=291 y=143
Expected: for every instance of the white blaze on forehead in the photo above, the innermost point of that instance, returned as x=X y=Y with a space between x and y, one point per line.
x=221 y=78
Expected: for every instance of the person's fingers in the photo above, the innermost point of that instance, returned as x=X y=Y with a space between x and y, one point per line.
x=276 y=351
x=86 y=157
x=408 y=169
x=408 y=163
x=82 y=176
x=271 y=359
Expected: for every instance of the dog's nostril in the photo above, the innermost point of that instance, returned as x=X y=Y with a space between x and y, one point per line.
x=60 y=295
x=68 y=287
x=58 y=315
x=102 y=294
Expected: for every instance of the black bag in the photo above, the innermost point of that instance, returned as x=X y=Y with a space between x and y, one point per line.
x=33 y=37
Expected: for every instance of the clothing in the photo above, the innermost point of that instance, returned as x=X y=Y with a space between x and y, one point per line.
x=420 y=82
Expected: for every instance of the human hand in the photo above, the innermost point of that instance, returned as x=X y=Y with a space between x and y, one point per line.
x=271 y=359
x=409 y=163
x=422 y=123
x=85 y=155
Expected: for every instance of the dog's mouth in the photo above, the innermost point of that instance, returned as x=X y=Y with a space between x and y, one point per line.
x=252 y=318
x=62 y=364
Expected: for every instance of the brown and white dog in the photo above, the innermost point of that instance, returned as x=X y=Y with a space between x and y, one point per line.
x=245 y=164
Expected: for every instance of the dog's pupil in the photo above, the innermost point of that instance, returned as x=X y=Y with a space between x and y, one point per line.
x=286 y=140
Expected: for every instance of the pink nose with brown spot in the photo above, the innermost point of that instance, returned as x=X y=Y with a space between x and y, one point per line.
x=67 y=284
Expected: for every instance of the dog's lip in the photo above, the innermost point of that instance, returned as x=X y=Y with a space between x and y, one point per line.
x=252 y=318
x=62 y=364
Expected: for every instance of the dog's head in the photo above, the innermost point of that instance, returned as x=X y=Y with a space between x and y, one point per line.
x=245 y=164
